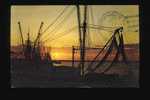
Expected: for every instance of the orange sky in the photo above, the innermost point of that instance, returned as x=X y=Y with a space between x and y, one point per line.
x=66 y=54
x=31 y=17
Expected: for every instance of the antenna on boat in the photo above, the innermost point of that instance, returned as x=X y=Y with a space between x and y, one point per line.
x=38 y=36
x=20 y=29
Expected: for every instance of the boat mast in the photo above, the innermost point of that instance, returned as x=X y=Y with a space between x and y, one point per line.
x=21 y=35
x=38 y=36
x=80 y=40
x=82 y=37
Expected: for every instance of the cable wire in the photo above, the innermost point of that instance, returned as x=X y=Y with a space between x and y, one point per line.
x=54 y=21
x=60 y=24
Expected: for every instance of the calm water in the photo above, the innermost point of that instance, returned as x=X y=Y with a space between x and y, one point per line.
x=119 y=68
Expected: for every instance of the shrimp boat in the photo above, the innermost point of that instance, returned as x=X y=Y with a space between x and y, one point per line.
x=37 y=64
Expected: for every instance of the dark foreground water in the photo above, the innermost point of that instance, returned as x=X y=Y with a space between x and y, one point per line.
x=48 y=79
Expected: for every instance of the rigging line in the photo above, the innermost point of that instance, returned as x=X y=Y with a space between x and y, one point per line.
x=61 y=23
x=108 y=48
x=132 y=16
x=100 y=38
x=105 y=37
x=92 y=18
x=34 y=34
x=88 y=39
x=114 y=60
x=109 y=51
x=21 y=35
x=92 y=21
x=88 y=30
x=56 y=36
x=119 y=50
x=38 y=35
x=109 y=30
x=19 y=42
x=100 y=28
x=66 y=32
x=61 y=34
x=54 y=21
x=52 y=24
x=113 y=13
x=59 y=37
x=103 y=26
x=101 y=50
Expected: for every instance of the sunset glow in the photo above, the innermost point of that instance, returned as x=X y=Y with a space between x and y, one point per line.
x=31 y=17
x=64 y=34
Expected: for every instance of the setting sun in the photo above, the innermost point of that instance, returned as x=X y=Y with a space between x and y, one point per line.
x=55 y=55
